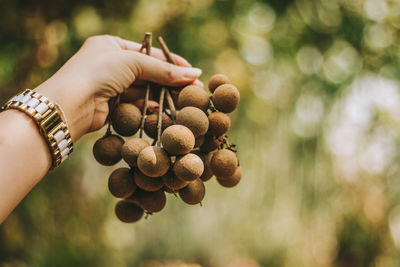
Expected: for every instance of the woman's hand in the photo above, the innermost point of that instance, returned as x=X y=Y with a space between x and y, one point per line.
x=102 y=68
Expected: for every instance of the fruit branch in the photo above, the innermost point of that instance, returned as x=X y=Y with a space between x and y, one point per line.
x=171 y=60
x=171 y=105
x=159 y=121
x=147 y=43
x=166 y=51
x=111 y=106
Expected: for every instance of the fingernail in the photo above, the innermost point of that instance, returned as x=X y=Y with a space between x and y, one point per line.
x=192 y=72
x=198 y=83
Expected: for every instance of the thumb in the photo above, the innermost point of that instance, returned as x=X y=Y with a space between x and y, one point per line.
x=152 y=69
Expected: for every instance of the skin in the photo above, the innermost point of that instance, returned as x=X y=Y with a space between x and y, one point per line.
x=103 y=67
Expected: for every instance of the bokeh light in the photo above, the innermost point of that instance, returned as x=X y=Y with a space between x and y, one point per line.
x=317 y=129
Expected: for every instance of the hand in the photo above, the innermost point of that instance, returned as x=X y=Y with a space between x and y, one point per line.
x=104 y=67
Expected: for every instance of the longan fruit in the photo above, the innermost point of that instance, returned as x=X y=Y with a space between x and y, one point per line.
x=193 y=193
x=120 y=183
x=193 y=118
x=206 y=158
x=210 y=143
x=194 y=96
x=147 y=183
x=131 y=149
x=232 y=180
x=224 y=163
x=172 y=182
x=226 y=98
x=153 y=161
x=199 y=141
x=177 y=140
x=107 y=150
x=150 y=201
x=219 y=123
x=188 y=167
x=217 y=80
x=126 y=119
x=128 y=212
x=150 y=124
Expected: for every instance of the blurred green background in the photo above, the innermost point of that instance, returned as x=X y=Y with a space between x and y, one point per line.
x=318 y=132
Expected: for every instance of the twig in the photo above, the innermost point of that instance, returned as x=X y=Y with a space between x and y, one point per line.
x=171 y=60
x=142 y=47
x=224 y=141
x=112 y=105
x=147 y=42
x=160 y=112
x=211 y=106
x=171 y=106
x=166 y=51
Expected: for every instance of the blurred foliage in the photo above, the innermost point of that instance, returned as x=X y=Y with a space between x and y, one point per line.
x=317 y=129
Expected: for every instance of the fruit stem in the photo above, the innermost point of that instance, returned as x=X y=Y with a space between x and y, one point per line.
x=160 y=112
x=225 y=141
x=147 y=43
x=114 y=102
x=165 y=50
x=211 y=108
x=171 y=60
x=171 y=105
x=148 y=39
x=142 y=47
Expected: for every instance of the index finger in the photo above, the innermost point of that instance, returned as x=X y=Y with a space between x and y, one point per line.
x=155 y=52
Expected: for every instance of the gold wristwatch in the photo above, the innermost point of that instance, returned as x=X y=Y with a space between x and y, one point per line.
x=50 y=121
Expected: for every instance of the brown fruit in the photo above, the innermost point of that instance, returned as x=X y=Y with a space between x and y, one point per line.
x=226 y=98
x=128 y=212
x=193 y=193
x=177 y=140
x=217 y=80
x=193 y=118
x=121 y=183
x=199 y=141
x=153 y=161
x=150 y=124
x=232 y=180
x=126 y=119
x=224 y=163
x=210 y=143
x=107 y=150
x=172 y=182
x=147 y=183
x=188 y=167
x=131 y=149
x=194 y=96
x=149 y=201
x=206 y=158
x=219 y=123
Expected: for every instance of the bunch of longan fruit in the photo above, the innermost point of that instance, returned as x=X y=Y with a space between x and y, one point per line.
x=189 y=145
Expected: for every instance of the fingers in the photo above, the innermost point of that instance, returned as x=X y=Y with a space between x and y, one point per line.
x=155 y=52
x=160 y=72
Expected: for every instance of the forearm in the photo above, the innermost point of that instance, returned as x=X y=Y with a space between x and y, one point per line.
x=24 y=158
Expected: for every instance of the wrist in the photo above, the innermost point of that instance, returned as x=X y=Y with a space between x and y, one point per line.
x=49 y=120
x=75 y=111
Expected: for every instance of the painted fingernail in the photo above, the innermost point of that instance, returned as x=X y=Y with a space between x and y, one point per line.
x=198 y=83
x=192 y=72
